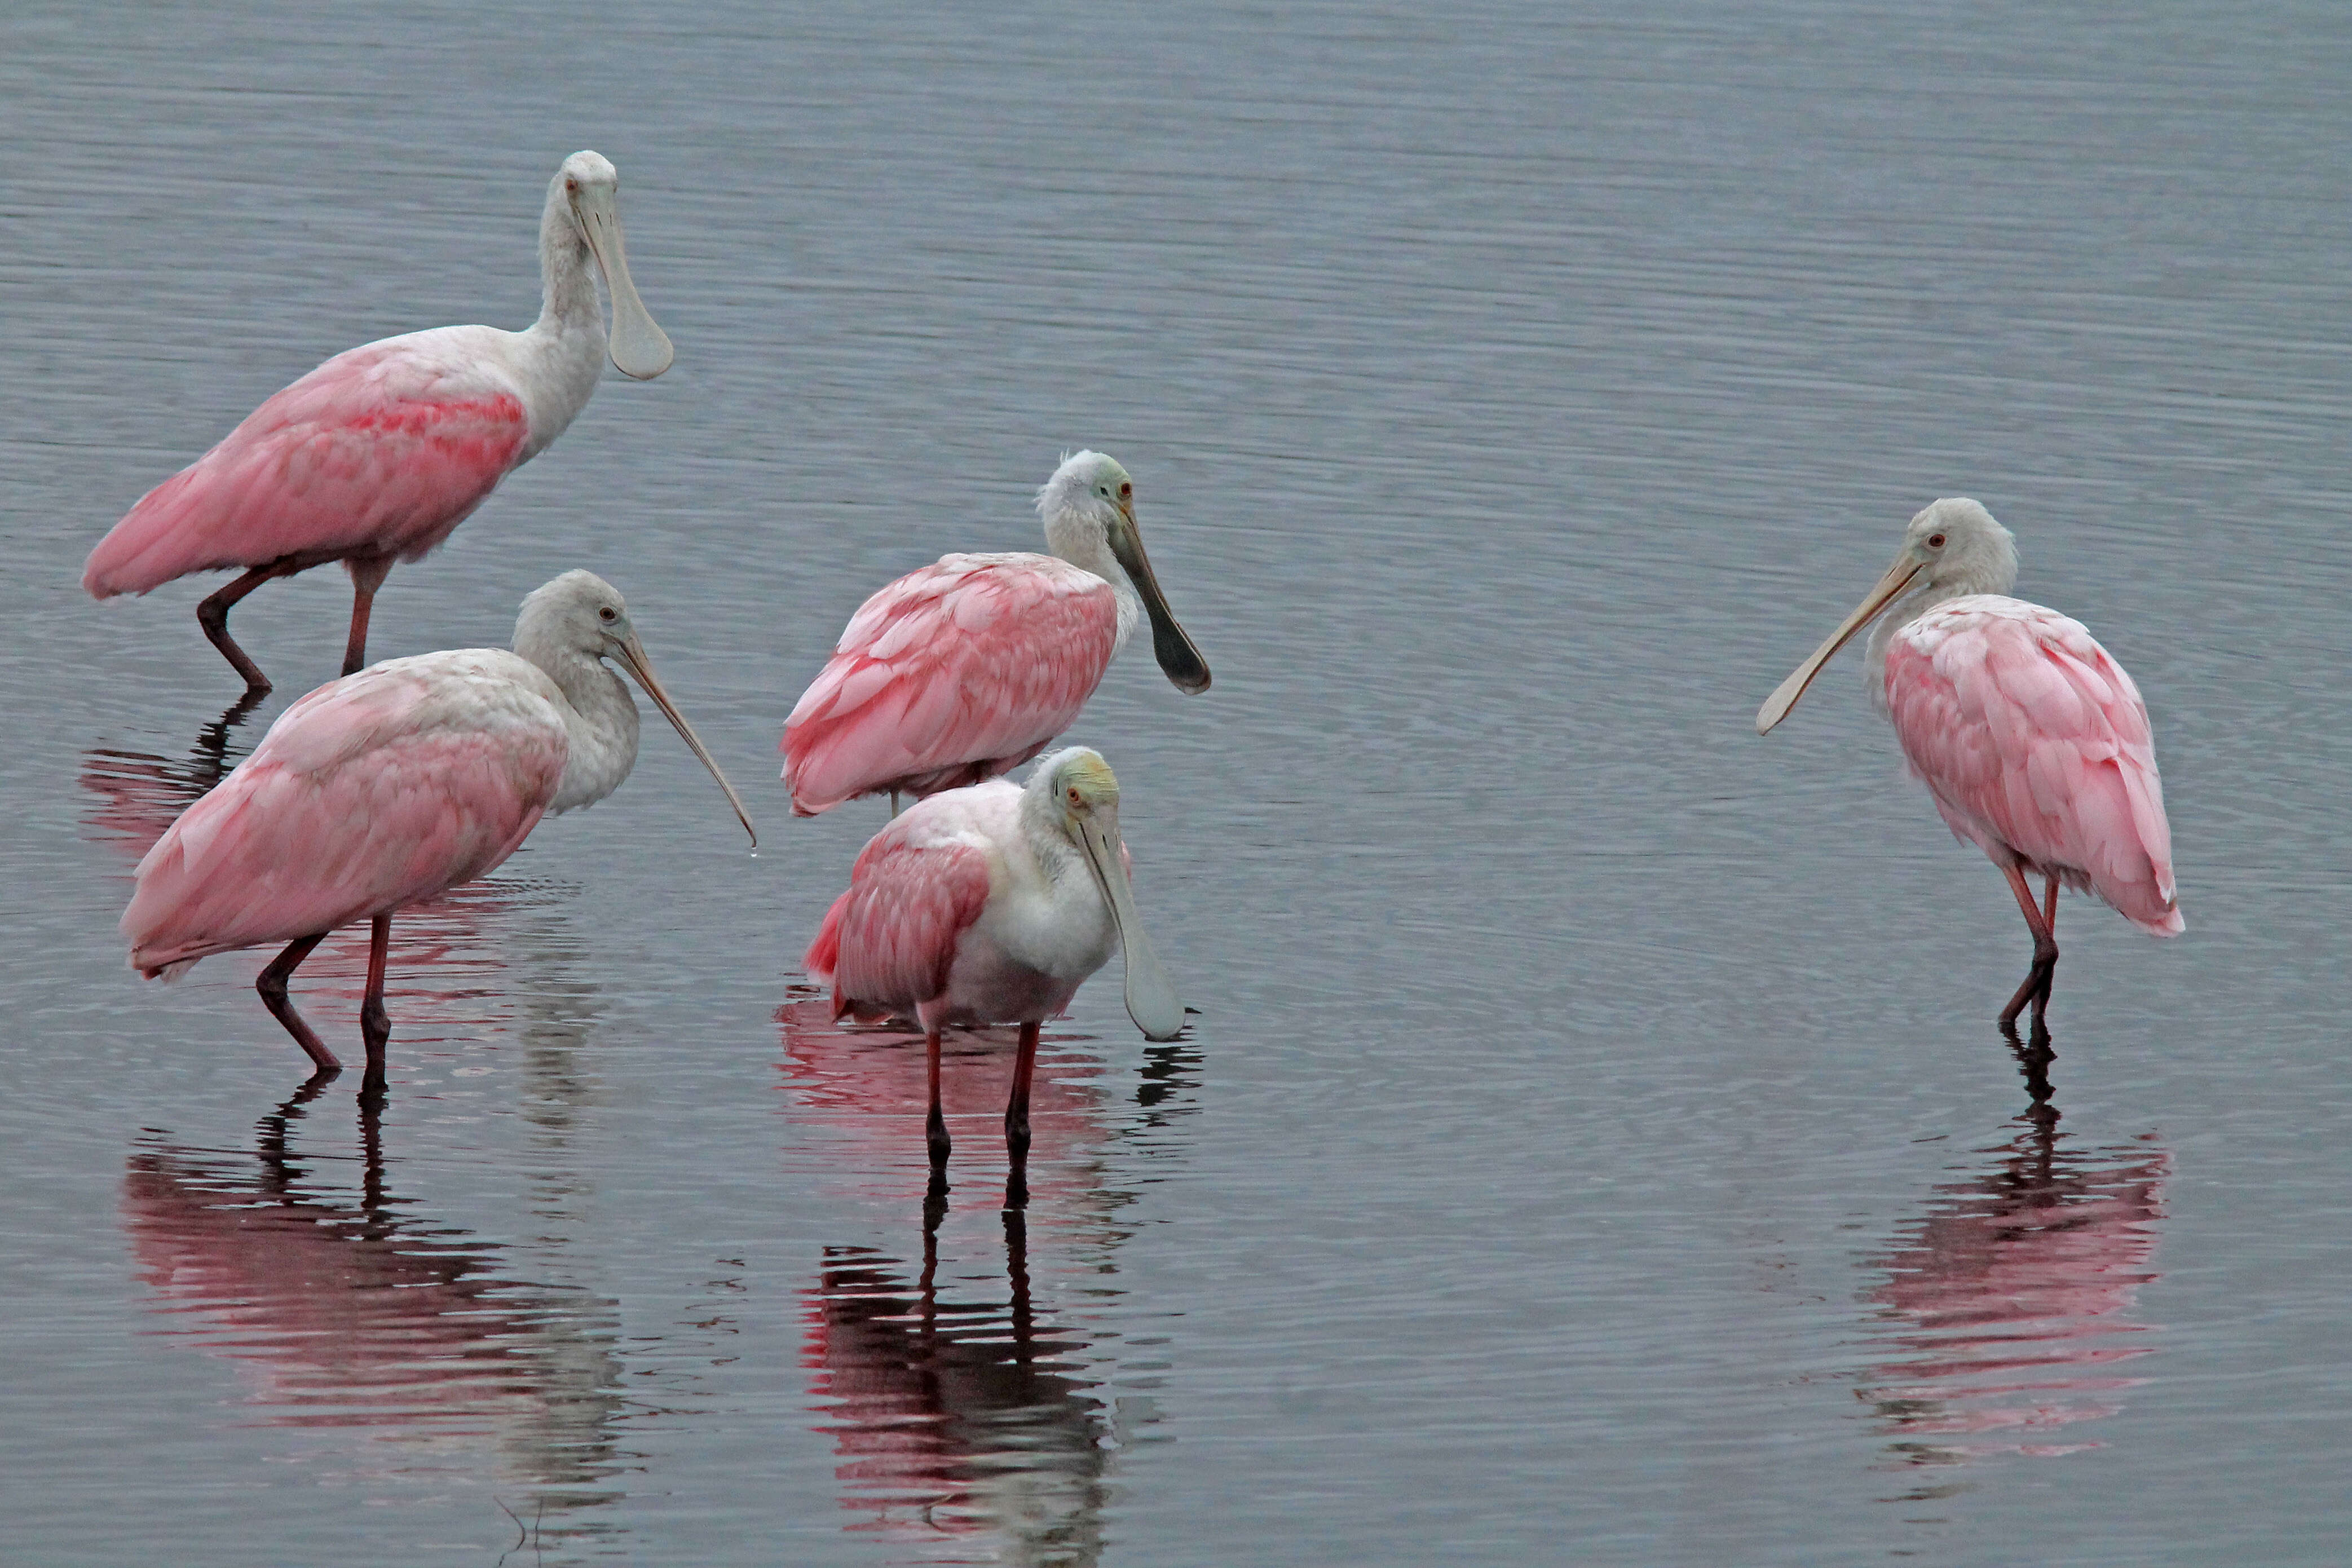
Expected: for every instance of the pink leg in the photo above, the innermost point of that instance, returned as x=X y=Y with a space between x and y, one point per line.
x=935 y=1130
x=213 y=616
x=1016 y=1115
x=375 y=1024
x=367 y=576
x=272 y=987
x=2036 y=989
x=2050 y=904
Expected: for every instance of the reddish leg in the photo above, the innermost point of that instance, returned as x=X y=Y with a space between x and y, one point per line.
x=272 y=987
x=2050 y=904
x=375 y=1024
x=935 y=1130
x=213 y=616
x=367 y=576
x=2036 y=989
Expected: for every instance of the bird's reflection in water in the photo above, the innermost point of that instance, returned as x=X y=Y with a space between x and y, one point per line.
x=2010 y=1302
x=346 y=1310
x=962 y=1421
x=972 y=1425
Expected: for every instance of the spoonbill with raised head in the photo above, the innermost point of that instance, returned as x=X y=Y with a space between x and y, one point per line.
x=378 y=455
x=387 y=787
x=968 y=668
x=991 y=904
x=2033 y=742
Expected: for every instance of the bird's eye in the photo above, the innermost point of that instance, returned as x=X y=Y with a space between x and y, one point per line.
x=1125 y=491
x=1076 y=798
x=572 y=184
x=1935 y=541
x=608 y=614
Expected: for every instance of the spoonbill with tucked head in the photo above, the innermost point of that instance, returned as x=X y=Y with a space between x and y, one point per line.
x=991 y=904
x=968 y=668
x=387 y=787
x=378 y=455
x=2033 y=742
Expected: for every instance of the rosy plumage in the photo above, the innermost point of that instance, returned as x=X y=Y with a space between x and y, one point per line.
x=2034 y=742
x=390 y=785
x=952 y=674
x=962 y=670
x=2032 y=739
x=378 y=455
x=380 y=452
x=371 y=793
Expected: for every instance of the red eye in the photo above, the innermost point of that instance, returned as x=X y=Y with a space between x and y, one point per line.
x=1935 y=541
x=1125 y=491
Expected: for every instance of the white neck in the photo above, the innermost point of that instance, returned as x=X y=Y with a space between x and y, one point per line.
x=1080 y=541
x=561 y=354
x=600 y=720
x=1991 y=575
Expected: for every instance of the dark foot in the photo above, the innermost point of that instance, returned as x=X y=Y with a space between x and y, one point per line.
x=2034 y=1055
x=376 y=1029
x=2036 y=989
x=935 y=1133
x=271 y=984
x=1016 y=1135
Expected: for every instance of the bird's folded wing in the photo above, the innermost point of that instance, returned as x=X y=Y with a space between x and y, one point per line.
x=974 y=658
x=382 y=450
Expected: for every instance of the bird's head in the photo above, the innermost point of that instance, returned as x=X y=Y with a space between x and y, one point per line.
x=580 y=616
x=1076 y=791
x=589 y=187
x=1953 y=546
x=1088 y=507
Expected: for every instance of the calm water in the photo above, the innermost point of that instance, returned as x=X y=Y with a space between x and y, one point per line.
x=1594 y=1146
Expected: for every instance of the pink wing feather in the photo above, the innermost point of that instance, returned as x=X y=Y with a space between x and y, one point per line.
x=888 y=944
x=371 y=793
x=2032 y=739
x=950 y=675
x=383 y=450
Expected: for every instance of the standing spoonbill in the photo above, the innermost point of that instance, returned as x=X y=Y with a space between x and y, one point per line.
x=968 y=668
x=379 y=454
x=387 y=787
x=991 y=904
x=2033 y=742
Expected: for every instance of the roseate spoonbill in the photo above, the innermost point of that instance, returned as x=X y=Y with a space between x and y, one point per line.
x=966 y=669
x=387 y=787
x=991 y=904
x=2033 y=742
x=379 y=454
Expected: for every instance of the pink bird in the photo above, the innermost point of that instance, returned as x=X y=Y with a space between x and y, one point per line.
x=387 y=787
x=2033 y=742
x=378 y=455
x=967 y=669
x=988 y=904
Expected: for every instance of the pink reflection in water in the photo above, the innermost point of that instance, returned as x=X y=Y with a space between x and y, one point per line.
x=2012 y=1301
x=345 y=1310
x=968 y=1428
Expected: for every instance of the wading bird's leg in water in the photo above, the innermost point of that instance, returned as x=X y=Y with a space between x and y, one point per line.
x=1016 y=1116
x=2036 y=989
x=213 y=616
x=375 y=1024
x=367 y=575
x=272 y=987
x=935 y=1130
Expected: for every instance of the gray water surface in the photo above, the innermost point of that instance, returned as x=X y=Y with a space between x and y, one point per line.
x=1594 y=1146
